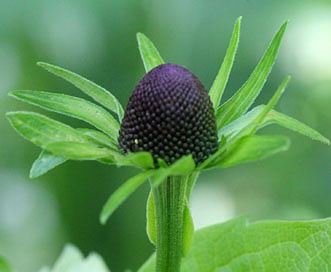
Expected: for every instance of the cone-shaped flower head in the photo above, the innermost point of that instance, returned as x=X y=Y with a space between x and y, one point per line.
x=169 y=115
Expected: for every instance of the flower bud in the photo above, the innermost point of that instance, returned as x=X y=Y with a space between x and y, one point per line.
x=170 y=115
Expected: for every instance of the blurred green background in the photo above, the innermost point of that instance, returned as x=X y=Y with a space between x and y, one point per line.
x=97 y=39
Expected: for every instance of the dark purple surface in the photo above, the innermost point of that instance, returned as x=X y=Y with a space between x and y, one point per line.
x=170 y=115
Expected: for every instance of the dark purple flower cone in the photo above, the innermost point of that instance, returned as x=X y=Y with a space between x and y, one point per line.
x=170 y=115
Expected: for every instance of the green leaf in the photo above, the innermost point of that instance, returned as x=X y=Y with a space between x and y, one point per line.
x=72 y=260
x=191 y=180
x=248 y=121
x=42 y=130
x=274 y=117
x=139 y=159
x=188 y=229
x=245 y=125
x=183 y=166
x=4 y=265
x=71 y=106
x=217 y=89
x=44 y=163
x=99 y=94
x=98 y=138
x=267 y=246
x=77 y=151
x=232 y=130
x=151 y=219
x=148 y=52
x=122 y=193
x=266 y=109
x=243 y=99
x=252 y=148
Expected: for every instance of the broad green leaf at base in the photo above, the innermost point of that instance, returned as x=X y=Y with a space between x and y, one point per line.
x=267 y=246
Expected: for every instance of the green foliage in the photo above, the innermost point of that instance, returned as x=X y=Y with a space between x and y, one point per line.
x=252 y=148
x=232 y=246
x=122 y=193
x=99 y=94
x=262 y=246
x=72 y=106
x=45 y=162
x=188 y=229
x=42 y=130
x=140 y=159
x=77 y=150
x=151 y=219
x=217 y=89
x=62 y=141
x=183 y=166
x=283 y=120
x=243 y=99
x=148 y=52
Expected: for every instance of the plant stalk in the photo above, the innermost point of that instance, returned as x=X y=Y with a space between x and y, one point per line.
x=169 y=200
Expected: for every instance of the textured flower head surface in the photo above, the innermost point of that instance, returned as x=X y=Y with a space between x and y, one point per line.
x=171 y=126
x=170 y=115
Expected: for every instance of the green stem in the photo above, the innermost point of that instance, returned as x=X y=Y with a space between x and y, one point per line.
x=169 y=200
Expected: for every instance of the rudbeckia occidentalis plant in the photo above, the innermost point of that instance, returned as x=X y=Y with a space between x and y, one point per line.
x=172 y=129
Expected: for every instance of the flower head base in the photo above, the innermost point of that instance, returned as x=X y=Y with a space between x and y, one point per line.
x=170 y=115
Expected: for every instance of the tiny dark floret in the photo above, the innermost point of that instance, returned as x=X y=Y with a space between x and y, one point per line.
x=170 y=115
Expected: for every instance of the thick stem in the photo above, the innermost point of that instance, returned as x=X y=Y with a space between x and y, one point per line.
x=169 y=200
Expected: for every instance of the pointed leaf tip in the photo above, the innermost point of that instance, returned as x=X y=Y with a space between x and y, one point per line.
x=44 y=163
x=98 y=93
x=71 y=106
x=122 y=193
x=240 y=102
x=148 y=52
x=275 y=117
x=219 y=84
